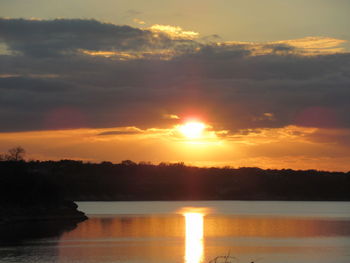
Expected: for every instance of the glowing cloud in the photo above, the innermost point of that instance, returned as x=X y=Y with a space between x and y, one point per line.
x=171 y=117
x=139 y=21
x=164 y=54
x=308 y=46
x=175 y=32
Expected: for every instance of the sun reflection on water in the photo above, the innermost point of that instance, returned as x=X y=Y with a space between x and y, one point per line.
x=194 y=237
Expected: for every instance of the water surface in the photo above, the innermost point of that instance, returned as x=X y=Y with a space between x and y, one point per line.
x=194 y=232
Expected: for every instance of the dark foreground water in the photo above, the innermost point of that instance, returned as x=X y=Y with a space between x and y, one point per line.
x=193 y=232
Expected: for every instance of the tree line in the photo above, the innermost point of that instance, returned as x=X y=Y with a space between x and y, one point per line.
x=128 y=180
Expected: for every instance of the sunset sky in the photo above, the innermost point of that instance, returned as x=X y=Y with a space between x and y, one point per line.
x=208 y=83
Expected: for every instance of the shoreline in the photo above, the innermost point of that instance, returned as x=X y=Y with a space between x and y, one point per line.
x=66 y=211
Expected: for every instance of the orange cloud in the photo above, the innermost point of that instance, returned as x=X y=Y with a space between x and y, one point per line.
x=171 y=116
x=164 y=54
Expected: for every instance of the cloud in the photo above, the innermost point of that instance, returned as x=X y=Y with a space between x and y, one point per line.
x=42 y=38
x=171 y=117
x=118 y=133
x=105 y=75
x=124 y=131
x=316 y=45
x=174 y=32
x=139 y=21
x=308 y=46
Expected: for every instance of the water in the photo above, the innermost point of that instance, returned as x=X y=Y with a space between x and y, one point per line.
x=195 y=232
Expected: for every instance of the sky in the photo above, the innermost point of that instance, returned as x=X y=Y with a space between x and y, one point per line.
x=110 y=80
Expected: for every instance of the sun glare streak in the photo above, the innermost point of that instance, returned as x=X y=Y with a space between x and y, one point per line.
x=194 y=237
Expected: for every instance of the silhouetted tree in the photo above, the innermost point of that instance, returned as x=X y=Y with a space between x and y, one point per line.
x=14 y=154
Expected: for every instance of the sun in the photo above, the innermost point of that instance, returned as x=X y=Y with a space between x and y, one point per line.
x=192 y=129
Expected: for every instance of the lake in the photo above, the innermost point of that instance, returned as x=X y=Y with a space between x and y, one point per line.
x=194 y=232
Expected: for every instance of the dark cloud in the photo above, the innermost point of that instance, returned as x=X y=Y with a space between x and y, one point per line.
x=226 y=84
x=119 y=133
x=44 y=38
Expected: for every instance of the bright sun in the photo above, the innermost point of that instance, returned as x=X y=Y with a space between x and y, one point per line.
x=192 y=130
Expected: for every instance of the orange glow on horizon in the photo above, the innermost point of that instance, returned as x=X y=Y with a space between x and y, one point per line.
x=298 y=147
